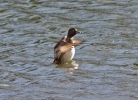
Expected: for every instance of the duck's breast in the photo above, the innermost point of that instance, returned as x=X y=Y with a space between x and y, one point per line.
x=69 y=55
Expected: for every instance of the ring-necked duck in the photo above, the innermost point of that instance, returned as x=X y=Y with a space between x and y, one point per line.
x=64 y=50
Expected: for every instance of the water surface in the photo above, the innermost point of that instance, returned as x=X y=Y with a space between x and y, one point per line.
x=108 y=60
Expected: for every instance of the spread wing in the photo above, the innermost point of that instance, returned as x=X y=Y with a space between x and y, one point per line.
x=77 y=41
x=63 y=46
x=66 y=47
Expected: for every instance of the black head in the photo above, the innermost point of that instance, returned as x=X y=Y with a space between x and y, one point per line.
x=72 y=32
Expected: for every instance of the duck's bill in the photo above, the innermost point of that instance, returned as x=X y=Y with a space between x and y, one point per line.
x=77 y=31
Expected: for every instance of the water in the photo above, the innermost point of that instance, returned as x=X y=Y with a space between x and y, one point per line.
x=108 y=65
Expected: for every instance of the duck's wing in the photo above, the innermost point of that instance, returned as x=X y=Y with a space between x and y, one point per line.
x=61 y=50
x=77 y=41
x=67 y=46
x=63 y=46
x=57 y=52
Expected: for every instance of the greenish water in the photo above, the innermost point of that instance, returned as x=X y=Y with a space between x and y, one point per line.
x=108 y=60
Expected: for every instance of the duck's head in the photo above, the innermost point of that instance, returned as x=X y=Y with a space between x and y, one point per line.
x=72 y=32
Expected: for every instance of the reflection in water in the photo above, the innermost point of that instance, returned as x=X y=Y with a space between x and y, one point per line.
x=72 y=65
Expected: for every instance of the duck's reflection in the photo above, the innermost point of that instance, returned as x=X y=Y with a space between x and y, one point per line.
x=72 y=65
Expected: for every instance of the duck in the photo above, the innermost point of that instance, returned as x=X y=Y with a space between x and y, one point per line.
x=64 y=50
